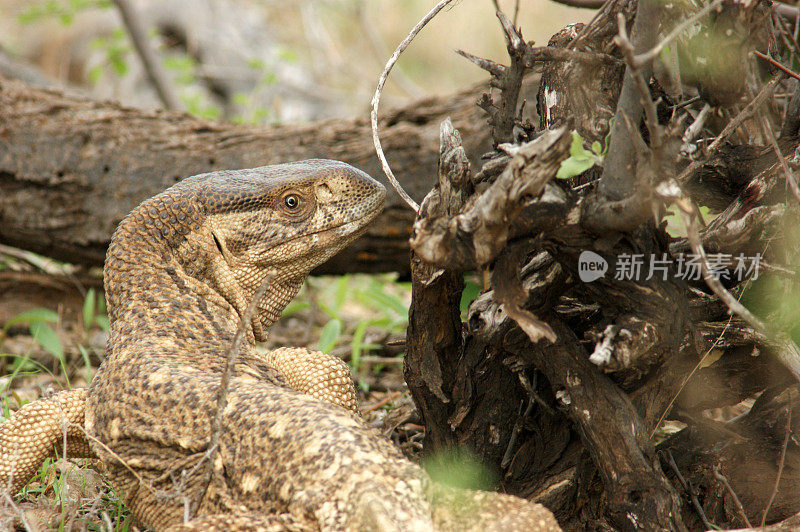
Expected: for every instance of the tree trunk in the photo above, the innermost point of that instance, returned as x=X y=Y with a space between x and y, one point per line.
x=560 y=383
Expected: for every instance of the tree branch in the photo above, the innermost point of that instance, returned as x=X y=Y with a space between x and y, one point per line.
x=152 y=66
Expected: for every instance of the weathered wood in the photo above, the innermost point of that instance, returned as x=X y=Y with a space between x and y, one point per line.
x=71 y=168
x=746 y=451
x=434 y=342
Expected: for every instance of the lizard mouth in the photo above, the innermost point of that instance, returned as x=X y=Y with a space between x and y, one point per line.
x=354 y=228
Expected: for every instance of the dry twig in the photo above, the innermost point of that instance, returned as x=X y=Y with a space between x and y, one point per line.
x=222 y=395
x=791 y=179
x=503 y=114
x=585 y=4
x=780 y=464
x=377 y=98
x=152 y=66
x=724 y=481
x=686 y=485
x=780 y=343
x=776 y=64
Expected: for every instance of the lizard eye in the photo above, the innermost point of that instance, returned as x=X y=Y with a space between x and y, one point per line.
x=291 y=201
x=295 y=205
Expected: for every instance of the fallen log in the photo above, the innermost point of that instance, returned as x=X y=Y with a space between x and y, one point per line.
x=71 y=168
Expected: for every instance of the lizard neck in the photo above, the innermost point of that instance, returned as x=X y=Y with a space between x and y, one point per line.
x=150 y=280
x=148 y=290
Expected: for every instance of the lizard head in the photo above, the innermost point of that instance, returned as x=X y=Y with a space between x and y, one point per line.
x=282 y=220
x=221 y=235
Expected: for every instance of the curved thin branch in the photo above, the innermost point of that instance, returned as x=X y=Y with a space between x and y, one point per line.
x=377 y=98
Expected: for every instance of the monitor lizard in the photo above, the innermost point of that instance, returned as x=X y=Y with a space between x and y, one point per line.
x=293 y=453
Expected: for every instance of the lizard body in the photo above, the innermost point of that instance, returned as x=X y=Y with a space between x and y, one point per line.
x=180 y=272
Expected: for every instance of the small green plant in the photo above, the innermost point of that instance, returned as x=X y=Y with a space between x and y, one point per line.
x=580 y=159
x=330 y=335
x=38 y=321
x=252 y=111
x=94 y=311
x=379 y=306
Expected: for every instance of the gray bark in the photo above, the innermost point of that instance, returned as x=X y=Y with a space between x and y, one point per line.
x=71 y=168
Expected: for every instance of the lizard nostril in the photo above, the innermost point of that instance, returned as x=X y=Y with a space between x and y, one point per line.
x=324 y=192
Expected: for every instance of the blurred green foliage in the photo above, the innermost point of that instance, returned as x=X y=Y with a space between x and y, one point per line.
x=62 y=10
x=460 y=469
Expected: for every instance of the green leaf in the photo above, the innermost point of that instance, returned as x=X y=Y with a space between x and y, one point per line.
x=95 y=73
x=340 y=292
x=87 y=362
x=288 y=55
x=573 y=166
x=294 y=307
x=47 y=338
x=330 y=335
x=101 y=304
x=89 y=308
x=36 y=315
x=376 y=296
x=118 y=64
x=468 y=295
x=256 y=64
x=597 y=148
x=576 y=149
x=102 y=322
x=357 y=345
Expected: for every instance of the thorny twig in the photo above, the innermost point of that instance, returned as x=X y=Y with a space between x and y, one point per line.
x=503 y=116
x=780 y=464
x=785 y=10
x=585 y=4
x=724 y=481
x=222 y=393
x=788 y=39
x=152 y=66
x=551 y=53
x=776 y=64
x=640 y=51
x=377 y=98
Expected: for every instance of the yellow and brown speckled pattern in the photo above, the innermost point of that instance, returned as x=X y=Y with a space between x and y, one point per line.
x=320 y=375
x=36 y=431
x=179 y=273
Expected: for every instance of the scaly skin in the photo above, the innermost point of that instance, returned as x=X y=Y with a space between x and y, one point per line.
x=179 y=274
